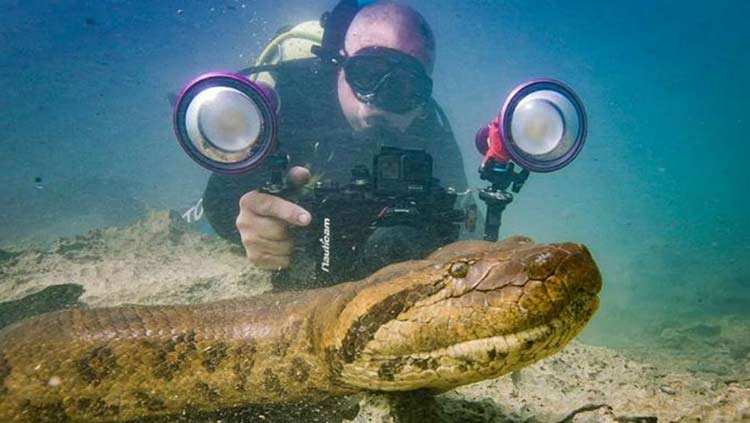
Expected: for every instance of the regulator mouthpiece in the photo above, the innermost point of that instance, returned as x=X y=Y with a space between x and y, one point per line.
x=226 y=122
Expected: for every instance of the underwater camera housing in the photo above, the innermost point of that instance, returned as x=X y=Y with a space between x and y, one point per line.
x=229 y=124
x=401 y=191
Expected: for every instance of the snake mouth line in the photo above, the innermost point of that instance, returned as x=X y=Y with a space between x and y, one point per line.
x=556 y=332
x=494 y=346
x=472 y=360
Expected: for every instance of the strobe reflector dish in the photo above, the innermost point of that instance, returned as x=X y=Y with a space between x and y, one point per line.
x=226 y=122
x=543 y=125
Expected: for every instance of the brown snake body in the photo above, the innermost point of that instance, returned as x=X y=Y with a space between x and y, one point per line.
x=470 y=311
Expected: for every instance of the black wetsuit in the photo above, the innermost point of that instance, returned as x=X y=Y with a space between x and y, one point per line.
x=314 y=133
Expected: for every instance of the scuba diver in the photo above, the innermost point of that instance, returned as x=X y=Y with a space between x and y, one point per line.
x=366 y=84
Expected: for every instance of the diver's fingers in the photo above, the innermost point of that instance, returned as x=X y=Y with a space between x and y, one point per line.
x=267 y=205
x=253 y=227
x=267 y=240
x=268 y=261
x=298 y=175
x=259 y=245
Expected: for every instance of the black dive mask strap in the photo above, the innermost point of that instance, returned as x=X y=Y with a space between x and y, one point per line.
x=335 y=23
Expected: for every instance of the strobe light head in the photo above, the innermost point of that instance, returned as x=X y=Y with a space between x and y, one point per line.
x=542 y=126
x=226 y=122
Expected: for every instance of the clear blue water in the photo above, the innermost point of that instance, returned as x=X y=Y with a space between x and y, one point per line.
x=659 y=194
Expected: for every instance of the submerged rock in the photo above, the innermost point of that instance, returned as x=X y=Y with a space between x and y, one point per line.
x=51 y=298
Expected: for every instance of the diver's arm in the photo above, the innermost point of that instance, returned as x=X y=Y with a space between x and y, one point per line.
x=265 y=220
x=451 y=172
x=258 y=221
x=450 y=169
x=447 y=159
x=222 y=195
x=221 y=204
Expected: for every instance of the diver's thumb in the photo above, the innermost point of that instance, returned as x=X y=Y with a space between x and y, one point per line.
x=298 y=176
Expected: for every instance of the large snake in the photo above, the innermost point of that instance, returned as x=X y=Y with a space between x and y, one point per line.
x=470 y=311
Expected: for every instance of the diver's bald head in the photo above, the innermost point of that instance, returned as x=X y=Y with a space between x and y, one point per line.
x=388 y=24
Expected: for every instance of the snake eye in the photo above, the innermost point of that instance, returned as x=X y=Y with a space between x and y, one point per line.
x=459 y=269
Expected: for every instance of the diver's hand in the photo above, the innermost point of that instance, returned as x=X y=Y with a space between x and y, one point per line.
x=264 y=223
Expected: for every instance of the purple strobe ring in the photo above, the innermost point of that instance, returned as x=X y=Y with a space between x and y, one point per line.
x=263 y=96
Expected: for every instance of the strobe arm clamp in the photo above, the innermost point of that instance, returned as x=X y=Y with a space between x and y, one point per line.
x=502 y=176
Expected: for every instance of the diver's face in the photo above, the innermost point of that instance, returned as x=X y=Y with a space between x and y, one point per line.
x=361 y=115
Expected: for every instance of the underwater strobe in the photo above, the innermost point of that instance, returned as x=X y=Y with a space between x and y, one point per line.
x=226 y=122
x=541 y=128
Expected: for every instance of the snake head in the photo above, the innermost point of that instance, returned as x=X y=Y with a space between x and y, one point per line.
x=470 y=311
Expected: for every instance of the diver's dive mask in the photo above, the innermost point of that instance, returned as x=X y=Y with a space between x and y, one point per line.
x=388 y=79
